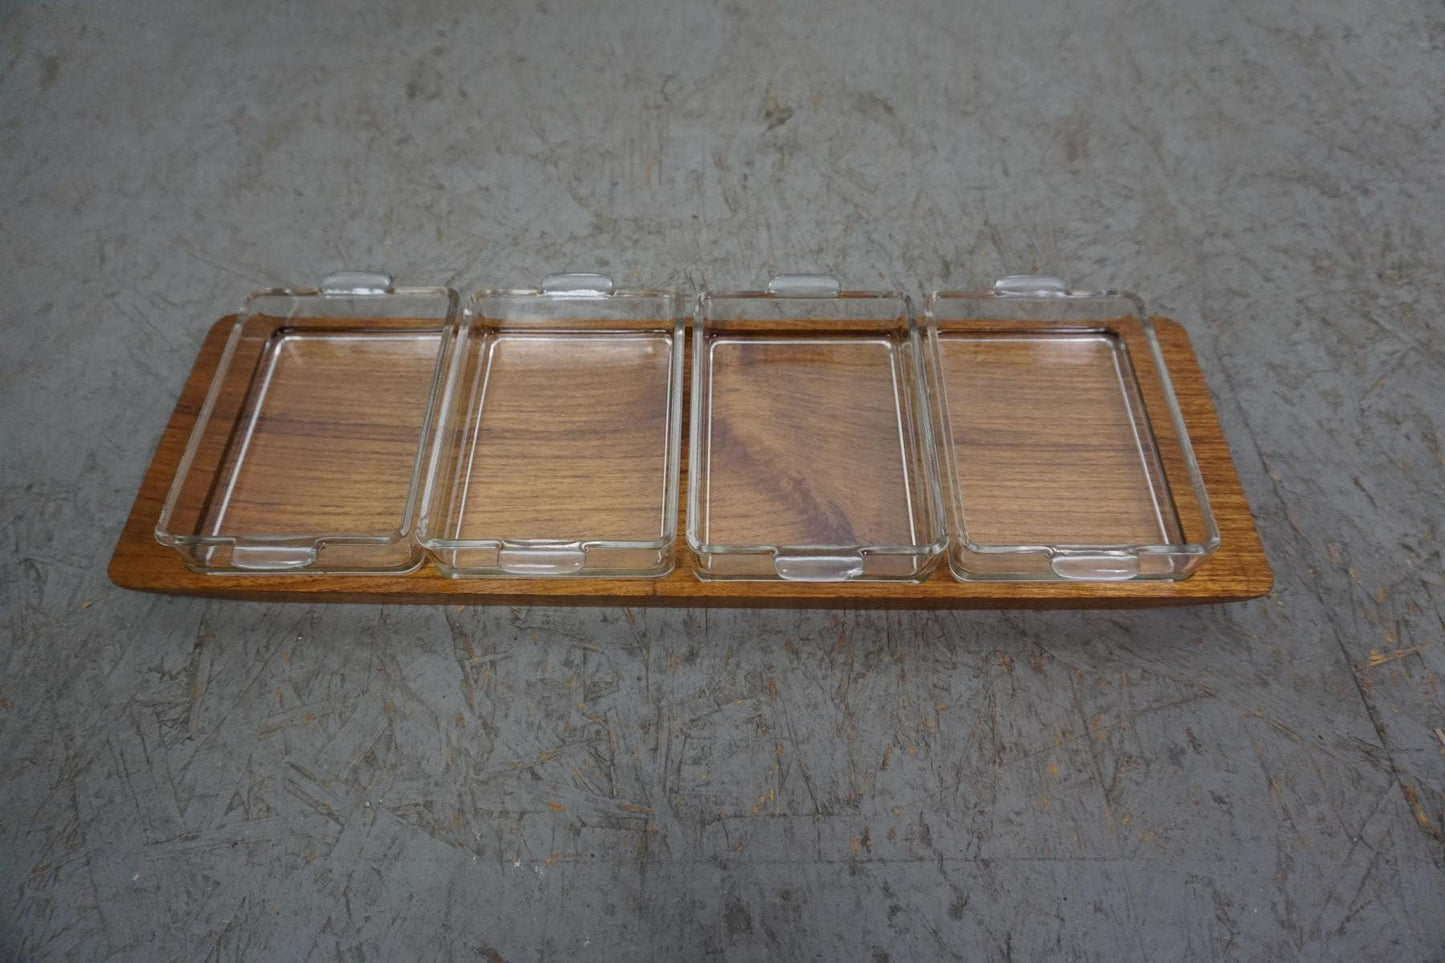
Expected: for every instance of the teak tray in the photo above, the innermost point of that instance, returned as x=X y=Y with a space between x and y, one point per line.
x=1237 y=571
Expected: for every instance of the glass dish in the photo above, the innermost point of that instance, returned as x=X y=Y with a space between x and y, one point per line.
x=812 y=454
x=1064 y=455
x=307 y=454
x=557 y=450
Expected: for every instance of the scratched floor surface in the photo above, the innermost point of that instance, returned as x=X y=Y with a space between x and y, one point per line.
x=187 y=779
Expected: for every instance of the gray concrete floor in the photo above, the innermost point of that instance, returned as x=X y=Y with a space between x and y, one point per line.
x=207 y=780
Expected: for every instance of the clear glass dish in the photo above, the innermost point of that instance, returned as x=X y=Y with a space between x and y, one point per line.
x=812 y=455
x=307 y=455
x=1064 y=455
x=557 y=450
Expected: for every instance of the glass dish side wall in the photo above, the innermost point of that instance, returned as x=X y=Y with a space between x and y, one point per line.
x=308 y=452
x=811 y=454
x=559 y=443
x=1060 y=437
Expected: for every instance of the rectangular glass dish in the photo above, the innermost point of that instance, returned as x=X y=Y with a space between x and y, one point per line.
x=558 y=444
x=308 y=453
x=1063 y=452
x=812 y=454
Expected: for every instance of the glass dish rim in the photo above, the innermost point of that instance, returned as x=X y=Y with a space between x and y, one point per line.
x=958 y=526
x=923 y=409
x=435 y=544
x=402 y=532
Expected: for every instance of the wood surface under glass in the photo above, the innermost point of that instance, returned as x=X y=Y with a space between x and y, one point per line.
x=1051 y=443
x=806 y=444
x=327 y=440
x=565 y=436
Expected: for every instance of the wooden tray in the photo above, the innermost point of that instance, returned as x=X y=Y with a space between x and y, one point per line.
x=1237 y=571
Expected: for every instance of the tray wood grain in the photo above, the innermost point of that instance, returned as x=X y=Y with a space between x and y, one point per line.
x=1237 y=571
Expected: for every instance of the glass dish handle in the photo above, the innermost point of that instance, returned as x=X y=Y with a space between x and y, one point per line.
x=804 y=286
x=1037 y=286
x=541 y=561
x=272 y=558
x=818 y=568
x=1089 y=567
x=1031 y=286
x=356 y=282
x=577 y=283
